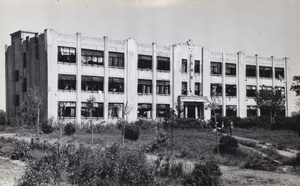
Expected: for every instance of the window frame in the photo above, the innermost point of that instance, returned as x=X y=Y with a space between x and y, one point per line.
x=116 y=60
x=66 y=54
x=197 y=67
x=230 y=69
x=249 y=71
x=62 y=110
x=219 y=89
x=67 y=79
x=265 y=72
x=228 y=92
x=163 y=64
x=116 y=83
x=98 y=109
x=143 y=61
x=215 y=68
x=184 y=65
x=144 y=107
x=92 y=57
x=163 y=87
x=96 y=81
x=144 y=86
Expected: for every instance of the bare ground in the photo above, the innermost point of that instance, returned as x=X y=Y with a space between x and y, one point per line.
x=10 y=170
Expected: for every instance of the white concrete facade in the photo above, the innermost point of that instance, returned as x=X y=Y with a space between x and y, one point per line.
x=131 y=79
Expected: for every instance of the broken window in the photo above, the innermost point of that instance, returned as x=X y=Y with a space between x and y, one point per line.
x=162 y=110
x=144 y=62
x=216 y=68
x=251 y=111
x=250 y=71
x=92 y=57
x=163 y=87
x=216 y=89
x=24 y=60
x=250 y=91
x=115 y=110
x=184 y=65
x=184 y=88
x=66 y=82
x=230 y=90
x=197 y=66
x=116 y=59
x=144 y=86
x=66 y=109
x=66 y=54
x=230 y=69
x=144 y=110
x=17 y=75
x=231 y=110
x=163 y=63
x=91 y=83
x=116 y=85
x=279 y=73
x=265 y=72
x=17 y=100
x=218 y=110
x=198 y=91
x=97 y=110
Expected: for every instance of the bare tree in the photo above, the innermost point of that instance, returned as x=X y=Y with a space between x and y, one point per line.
x=213 y=104
x=89 y=109
x=36 y=98
x=126 y=109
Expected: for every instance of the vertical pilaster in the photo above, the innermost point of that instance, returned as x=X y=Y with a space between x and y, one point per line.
x=223 y=86
x=273 y=72
x=206 y=78
x=78 y=84
x=154 y=81
x=257 y=78
x=286 y=60
x=172 y=63
x=105 y=114
x=241 y=85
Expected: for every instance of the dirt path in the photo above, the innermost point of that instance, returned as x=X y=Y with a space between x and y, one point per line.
x=10 y=170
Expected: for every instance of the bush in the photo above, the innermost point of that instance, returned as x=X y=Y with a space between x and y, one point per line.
x=46 y=126
x=69 y=129
x=132 y=132
x=3 y=118
x=206 y=174
x=228 y=145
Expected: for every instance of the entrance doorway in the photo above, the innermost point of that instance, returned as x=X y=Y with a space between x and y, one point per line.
x=193 y=110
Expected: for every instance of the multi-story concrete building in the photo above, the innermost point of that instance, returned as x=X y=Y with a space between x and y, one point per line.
x=133 y=79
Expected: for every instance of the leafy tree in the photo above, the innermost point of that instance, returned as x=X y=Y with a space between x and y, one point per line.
x=36 y=98
x=296 y=85
x=170 y=122
x=272 y=99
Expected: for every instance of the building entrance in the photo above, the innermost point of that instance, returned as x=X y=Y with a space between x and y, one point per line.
x=193 y=110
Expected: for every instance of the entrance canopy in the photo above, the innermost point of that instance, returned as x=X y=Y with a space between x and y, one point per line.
x=201 y=99
x=192 y=106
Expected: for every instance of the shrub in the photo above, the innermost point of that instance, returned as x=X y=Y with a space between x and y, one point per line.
x=132 y=132
x=206 y=174
x=295 y=161
x=228 y=145
x=3 y=118
x=46 y=127
x=69 y=129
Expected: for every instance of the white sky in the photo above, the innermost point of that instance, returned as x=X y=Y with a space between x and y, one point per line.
x=263 y=27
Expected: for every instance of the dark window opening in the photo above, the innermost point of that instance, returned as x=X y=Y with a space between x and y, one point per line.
x=17 y=100
x=116 y=59
x=184 y=88
x=92 y=57
x=116 y=85
x=66 y=109
x=230 y=69
x=91 y=83
x=162 y=110
x=144 y=86
x=163 y=87
x=279 y=73
x=163 y=63
x=184 y=65
x=96 y=111
x=24 y=87
x=218 y=111
x=198 y=91
x=197 y=66
x=250 y=91
x=250 y=71
x=66 y=82
x=231 y=110
x=265 y=72
x=251 y=111
x=216 y=68
x=24 y=60
x=17 y=75
x=66 y=54
x=216 y=89
x=230 y=90
x=115 y=110
x=144 y=110
x=144 y=62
